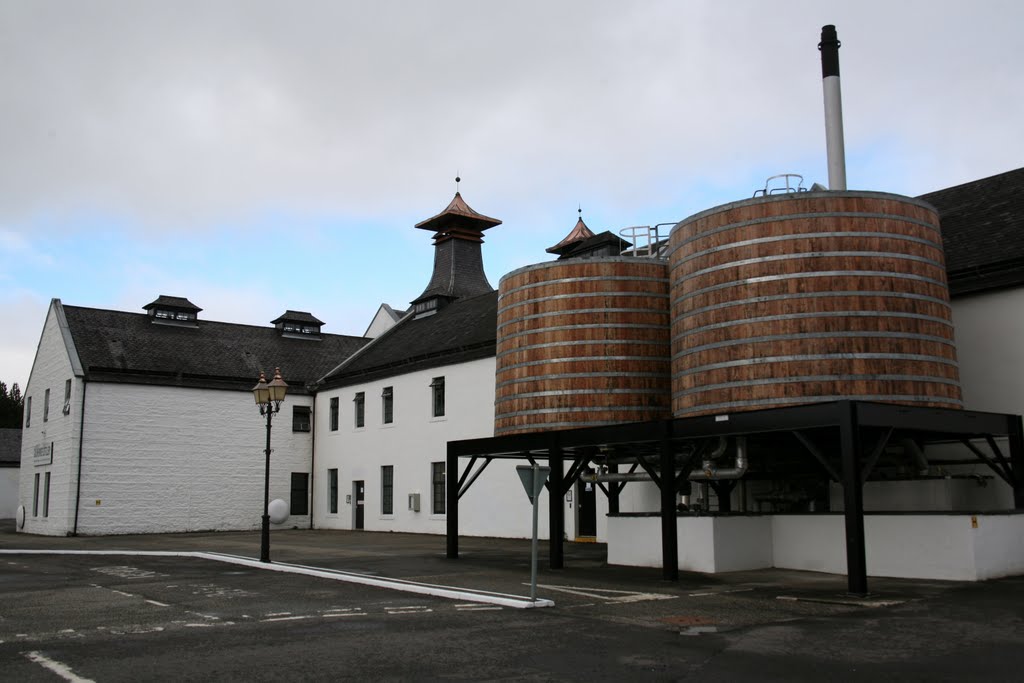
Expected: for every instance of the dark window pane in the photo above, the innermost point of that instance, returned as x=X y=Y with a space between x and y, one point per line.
x=300 y=493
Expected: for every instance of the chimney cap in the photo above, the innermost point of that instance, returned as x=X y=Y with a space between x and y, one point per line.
x=460 y=213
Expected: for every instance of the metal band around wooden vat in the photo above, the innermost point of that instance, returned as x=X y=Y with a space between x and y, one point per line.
x=807 y=295
x=809 y=255
x=533 y=426
x=817 y=356
x=579 y=375
x=583 y=295
x=884 y=398
x=598 y=326
x=574 y=280
x=583 y=359
x=584 y=342
x=798 y=216
x=578 y=409
x=579 y=392
x=740 y=384
x=810 y=315
x=641 y=262
x=811 y=335
x=799 y=276
x=804 y=236
x=582 y=311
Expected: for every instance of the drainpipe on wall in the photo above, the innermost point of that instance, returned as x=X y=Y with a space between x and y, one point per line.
x=81 y=444
x=312 y=459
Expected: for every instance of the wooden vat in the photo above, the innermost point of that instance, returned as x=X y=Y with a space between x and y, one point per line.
x=810 y=297
x=582 y=342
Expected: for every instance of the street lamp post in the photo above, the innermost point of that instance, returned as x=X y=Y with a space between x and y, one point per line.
x=268 y=398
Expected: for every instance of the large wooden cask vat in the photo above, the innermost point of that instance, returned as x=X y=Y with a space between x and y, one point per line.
x=810 y=297
x=582 y=342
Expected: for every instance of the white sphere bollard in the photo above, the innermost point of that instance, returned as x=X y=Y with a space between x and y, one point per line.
x=278 y=511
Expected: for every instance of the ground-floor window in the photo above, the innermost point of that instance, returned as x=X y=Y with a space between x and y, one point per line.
x=387 y=489
x=300 y=493
x=332 y=491
x=35 y=496
x=46 y=495
x=437 y=488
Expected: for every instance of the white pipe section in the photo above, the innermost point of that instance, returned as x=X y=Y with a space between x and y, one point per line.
x=834 y=145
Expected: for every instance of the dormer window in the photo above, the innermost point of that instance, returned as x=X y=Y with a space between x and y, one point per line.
x=173 y=310
x=298 y=325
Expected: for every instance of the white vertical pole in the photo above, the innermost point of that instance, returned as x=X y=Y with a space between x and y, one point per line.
x=834 y=145
x=533 y=559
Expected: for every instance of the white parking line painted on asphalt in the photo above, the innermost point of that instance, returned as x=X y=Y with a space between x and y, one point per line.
x=59 y=668
x=113 y=590
x=607 y=595
x=450 y=592
x=157 y=603
x=721 y=592
x=295 y=618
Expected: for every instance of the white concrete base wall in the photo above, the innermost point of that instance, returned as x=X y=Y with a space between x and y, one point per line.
x=8 y=491
x=946 y=547
x=705 y=544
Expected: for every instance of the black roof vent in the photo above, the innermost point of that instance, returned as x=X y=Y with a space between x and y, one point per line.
x=173 y=310
x=298 y=324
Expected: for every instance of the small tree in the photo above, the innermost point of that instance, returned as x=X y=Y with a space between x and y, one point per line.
x=12 y=406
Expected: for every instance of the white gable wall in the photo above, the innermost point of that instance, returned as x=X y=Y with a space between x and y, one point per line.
x=59 y=433
x=165 y=459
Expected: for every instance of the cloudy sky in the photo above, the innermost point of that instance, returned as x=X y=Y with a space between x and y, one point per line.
x=258 y=156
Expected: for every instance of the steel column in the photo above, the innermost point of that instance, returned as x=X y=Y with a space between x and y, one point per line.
x=613 y=492
x=452 y=503
x=1016 y=436
x=556 y=508
x=669 y=530
x=853 y=499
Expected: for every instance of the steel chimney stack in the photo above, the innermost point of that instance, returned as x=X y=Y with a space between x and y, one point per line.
x=829 y=47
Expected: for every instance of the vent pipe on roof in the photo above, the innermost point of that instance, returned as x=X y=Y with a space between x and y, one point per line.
x=829 y=47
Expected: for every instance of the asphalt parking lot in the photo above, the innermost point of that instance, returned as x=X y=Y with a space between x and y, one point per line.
x=112 y=617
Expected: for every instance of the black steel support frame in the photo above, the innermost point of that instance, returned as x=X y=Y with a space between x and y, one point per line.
x=847 y=419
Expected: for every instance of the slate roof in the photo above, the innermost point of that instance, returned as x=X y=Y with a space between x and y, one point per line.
x=983 y=232
x=463 y=330
x=115 y=346
x=10 y=447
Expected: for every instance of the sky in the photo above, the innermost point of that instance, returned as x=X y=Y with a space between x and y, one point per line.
x=262 y=156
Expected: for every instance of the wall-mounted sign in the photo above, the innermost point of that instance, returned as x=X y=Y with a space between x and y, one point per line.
x=42 y=454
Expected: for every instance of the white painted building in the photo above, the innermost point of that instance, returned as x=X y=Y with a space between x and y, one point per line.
x=139 y=423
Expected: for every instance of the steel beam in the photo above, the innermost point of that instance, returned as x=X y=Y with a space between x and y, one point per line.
x=853 y=500
x=1017 y=460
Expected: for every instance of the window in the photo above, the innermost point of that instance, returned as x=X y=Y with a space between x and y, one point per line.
x=388 y=401
x=46 y=495
x=332 y=491
x=360 y=405
x=28 y=412
x=300 y=418
x=437 y=488
x=67 y=398
x=35 y=497
x=300 y=493
x=387 y=489
x=437 y=391
x=334 y=414
x=46 y=405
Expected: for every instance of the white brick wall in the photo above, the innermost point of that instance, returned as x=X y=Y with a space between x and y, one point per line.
x=165 y=459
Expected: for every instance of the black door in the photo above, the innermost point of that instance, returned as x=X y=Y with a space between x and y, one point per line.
x=358 y=489
x=586 y=496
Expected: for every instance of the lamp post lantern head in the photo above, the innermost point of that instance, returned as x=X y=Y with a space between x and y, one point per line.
x=278 y=387
x=261 y=391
